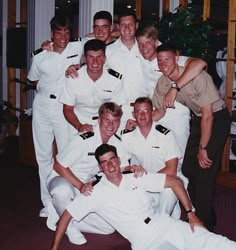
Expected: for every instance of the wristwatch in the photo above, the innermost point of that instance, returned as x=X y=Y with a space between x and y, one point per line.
x=202 y=146
x=175 y=86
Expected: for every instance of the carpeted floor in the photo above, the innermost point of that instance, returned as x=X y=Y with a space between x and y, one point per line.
x=22 y=229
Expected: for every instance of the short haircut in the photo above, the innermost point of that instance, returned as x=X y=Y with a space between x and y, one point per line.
x=60 y=21
x=94 y=45
x=147 y=30
x=167 y=47
x=144 y=99
x=110 y=107
x=102 y=15
x=127 y=12
x=103 y=149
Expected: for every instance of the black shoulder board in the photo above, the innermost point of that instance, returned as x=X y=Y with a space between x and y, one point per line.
x=107 y=44
x=162 y=129
x=75 y=39
x=117 y=136
x=98 y=178
x=87 y=135
x=126 y=131
x=127 y=172
x=114 y=73
x=37 y=51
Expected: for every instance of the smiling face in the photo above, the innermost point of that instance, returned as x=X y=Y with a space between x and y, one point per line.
x=60 y=38
x=127 y=27
x=167 y=62
x=102 y=30
x=95 y=61
x=108 y=125
x=147 y=47
x=143 y=114
x=109 y=163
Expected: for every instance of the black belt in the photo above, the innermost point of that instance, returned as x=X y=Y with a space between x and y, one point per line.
x=53 y=96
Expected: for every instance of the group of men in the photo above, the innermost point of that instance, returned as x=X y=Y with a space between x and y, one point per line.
x=113 y=100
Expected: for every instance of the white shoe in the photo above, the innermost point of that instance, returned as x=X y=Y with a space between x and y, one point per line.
x=43 y=212
x=74 y=234
x=77 y=239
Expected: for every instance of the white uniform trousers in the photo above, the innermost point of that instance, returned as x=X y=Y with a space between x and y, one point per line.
x=63 y=193
x=48 y=123
x=180 y=235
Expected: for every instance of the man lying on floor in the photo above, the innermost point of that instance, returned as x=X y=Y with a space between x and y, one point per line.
x=123 y=202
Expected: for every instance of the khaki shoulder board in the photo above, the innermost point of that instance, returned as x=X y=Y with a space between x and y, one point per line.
x=114 y=73
x=162 y=129
x=87 y=135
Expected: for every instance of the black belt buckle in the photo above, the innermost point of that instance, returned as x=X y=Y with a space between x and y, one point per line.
x=53 y=96
x=147 y=220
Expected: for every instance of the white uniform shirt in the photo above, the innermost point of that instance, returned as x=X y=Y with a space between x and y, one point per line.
x=49 y=68
x=86 y=95
x=153 y=73
x=79 y=155
x=125 y=207
x=128 y=63
x=155 y=150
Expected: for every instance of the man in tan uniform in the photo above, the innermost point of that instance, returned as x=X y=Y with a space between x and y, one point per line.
x=210 y=127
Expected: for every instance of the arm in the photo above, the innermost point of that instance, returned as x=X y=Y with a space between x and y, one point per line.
x=170 y=167
x=178 y=188
x=61 y=228
x=72 y=118
x=193 y=67
x=68 y=175
x=206 y=129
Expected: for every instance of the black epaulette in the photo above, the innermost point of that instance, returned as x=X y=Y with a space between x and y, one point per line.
x=87 y=135
x=110 y=43
x=117 y=136
x=36 y=52
x=127 y=172
x=162 y=129
x=114 y=73
x=126 y=131
x=75 y=39
x=98 y=178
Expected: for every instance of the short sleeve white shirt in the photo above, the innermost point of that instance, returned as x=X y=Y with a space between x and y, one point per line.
x=79 y=154
x=155 y=150
x=48 y=67
x=86 y=95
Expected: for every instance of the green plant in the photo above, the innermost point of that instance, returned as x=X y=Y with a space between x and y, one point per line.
x=186 y=30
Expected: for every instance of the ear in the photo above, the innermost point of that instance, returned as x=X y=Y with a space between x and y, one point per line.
x=136 y=25
x=111 y=28
x=51 y=35
x=157 y=43
x=177 y=58
x=133 y=114
x=119 y=161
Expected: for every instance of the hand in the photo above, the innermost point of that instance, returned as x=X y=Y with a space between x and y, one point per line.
x=169 y=98
x=72 y=71
x=138 y=170
x=85 y=128
x=86 y=189
x=194 y=221
x=203 y=159
x=47 y=45
x=130 y=124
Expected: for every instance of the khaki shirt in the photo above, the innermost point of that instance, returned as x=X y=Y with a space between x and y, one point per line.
x=198 y=93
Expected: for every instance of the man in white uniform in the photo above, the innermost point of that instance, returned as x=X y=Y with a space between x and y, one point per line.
x=123 y=202
x=96 y=84
x=155 y=148
x=76 y=165
x=127 y=58
x=176 y=119
x=47 y=71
